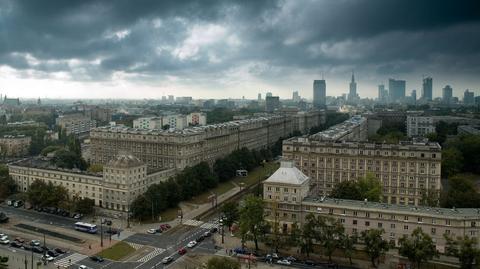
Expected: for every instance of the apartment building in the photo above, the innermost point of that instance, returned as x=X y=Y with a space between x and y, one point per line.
x=123 y=179
x=75 y=123
x=303 y=121
x=353 y=129
x=406 y=169
x=150 y=123
x=197 y=119
x=160 y=149
x=419 y=126
x=14 y=146
x=289 y=200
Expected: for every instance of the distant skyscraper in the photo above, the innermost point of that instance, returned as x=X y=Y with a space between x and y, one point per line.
x=414 y=96
x=447 y=94
x=427 y=89
x=171 y=98
x=272 y=103
x=382 y=94
x=269 y=94
x=396 y=90
x=319 y=93
x=468 y=98
x=259 y=98
x=295 y=96
x=352 y=94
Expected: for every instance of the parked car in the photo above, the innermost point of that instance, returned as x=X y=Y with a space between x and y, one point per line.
x=60 y=251
x=34 y=243
x=4 y=241
x=182 y=251
x=27 y=247
x=20 y=240
x=291 y=258
x=200 y=238
x=96 y=258
x=151 y=231
x=10 y=202
x=284 y=262
x=159 y=231
x=213 y=230
x=207 y=234
x=48 y=258
x=192 y=244
x=167 y=260
x=82 y=266
x=309 y=262
x=15 y=244
x=52 y=253
x=164 y=227
x=18 y=203
x=37 y=249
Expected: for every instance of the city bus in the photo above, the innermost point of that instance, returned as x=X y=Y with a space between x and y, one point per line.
x=86 y=227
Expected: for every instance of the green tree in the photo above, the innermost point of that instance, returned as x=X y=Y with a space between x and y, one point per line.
x=43 y=194
x=230 y=213
x=465 y=249
x=3 y=262
x=348 y=243
x=327 y=233
x=347 y=190
x=461 y=193
x=222 y=263
x=430 y=198
x=251 y=218
x=84 y=205
x=370 y=188
x=95 y=168
x=452 y=161
x=375 y=245
x=308 y=234
x=418 y=248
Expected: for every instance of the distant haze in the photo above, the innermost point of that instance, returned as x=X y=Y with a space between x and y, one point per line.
x=234 y=48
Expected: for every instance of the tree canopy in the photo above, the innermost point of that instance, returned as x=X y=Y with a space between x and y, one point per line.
x=418 y=248
x=368 y=188
x=222 y=263
x=375 y=245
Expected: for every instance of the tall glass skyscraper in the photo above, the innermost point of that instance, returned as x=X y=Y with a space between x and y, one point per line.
x=319 y=93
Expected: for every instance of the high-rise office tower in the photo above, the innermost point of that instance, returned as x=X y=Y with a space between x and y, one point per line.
x=427 y=89
x=468 y=98
x=396 y=90
x=259 y=98
x=382 y=94
x=319 y=93
x=352 y=94
x=296 y=96
x=272 y=103
x=269 y=94
x=447 y=94
x=414 y=96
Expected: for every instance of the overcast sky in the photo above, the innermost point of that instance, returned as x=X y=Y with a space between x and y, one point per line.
x=220 y=48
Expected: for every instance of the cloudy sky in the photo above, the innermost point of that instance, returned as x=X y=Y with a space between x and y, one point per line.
x=222 y=48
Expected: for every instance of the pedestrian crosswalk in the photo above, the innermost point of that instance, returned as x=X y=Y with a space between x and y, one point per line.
x=192 y=222
x=149 y=256
x=208 y=225
x=69 y=260
x=135 y=245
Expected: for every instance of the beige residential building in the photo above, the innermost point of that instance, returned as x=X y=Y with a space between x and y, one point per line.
x=75 y=123
x=150 y=123
x=419 y=126
x=14 y=146
x=123 y=179
x=406 y=170
x=160 y=149
x=288 y=200
x=353 y=129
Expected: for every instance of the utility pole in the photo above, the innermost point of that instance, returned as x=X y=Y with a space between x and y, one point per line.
x=101 y=232
x=223 y=229
x=44 y=250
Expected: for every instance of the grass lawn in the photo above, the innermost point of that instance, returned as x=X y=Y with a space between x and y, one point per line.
x=170 y=214
x=258 y=174
x=117 y=251
x=220 y=189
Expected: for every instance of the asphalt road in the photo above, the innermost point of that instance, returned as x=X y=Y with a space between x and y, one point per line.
x=39 y=217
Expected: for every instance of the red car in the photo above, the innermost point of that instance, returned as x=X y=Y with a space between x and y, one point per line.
x=165 y=227
x=182 y=251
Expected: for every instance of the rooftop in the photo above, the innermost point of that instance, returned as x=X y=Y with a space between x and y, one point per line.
x=337 y=131
x=287 y=174
x=410 y=209
x=125 y=161
x=41 y=162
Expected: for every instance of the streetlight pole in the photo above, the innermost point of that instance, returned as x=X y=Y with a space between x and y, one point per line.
x=101 y=232
x=223 y=229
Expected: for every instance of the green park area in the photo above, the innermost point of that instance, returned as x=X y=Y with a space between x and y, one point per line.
x=117 y=252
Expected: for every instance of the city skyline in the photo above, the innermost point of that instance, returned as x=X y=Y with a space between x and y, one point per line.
x=92 y=49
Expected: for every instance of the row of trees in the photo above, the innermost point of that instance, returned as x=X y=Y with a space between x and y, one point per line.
x=460 y=155
x=327 y=235
x=194 y=180
x=43 y=194
x=7 y=185
x=368 y=188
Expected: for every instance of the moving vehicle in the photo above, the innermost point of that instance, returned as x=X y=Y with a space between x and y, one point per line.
x=284 y=262
x=86 y=227
x=96 y=258
x=34 y=243
x=182 y=251
x=60 y=251
x=52 y=253
x=48 y=258
x=167 y=259
x=191 y=244
x=207 y=234
x=15 y=244
x=18 y=203
x=82 y=267
x=200 y=238
x=151 y=231
x=291 y=258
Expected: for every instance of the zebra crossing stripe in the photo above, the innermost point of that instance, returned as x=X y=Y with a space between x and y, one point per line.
x=209 y=225
x=135 y=245
x=149 y=256
x=69 y=260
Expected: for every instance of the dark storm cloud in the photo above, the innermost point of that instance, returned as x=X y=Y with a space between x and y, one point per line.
x=92 y=39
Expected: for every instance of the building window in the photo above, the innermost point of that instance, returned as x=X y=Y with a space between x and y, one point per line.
x=342 y=220
x=354 y=222
x=405 y=218
x=434 y=230
x=392 y=226
x=367 y=223
x=420 y=219
x=472 y=224
x=405 y=227
x=447 y=222
x=380 y=225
